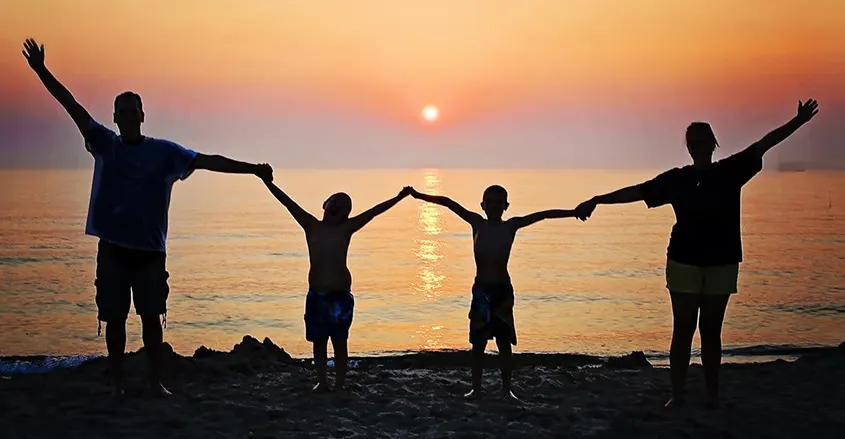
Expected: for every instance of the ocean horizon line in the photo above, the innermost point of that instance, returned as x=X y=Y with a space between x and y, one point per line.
x=450 y=168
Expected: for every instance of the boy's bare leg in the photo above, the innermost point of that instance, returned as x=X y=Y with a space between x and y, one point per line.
x=153 y=340
x=116 y=346
x=320 y=357
x=341 y=361
x=478 y=349
x=506 y=363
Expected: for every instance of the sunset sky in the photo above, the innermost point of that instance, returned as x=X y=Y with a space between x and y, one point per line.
x=529 y=83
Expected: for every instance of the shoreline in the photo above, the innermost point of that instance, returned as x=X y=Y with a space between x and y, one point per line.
x=257 y=390
x=38 y=364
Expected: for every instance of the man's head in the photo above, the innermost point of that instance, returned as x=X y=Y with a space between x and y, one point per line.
x=337 y=207
x=494 y=202
x=128 y=112
x=701 y=142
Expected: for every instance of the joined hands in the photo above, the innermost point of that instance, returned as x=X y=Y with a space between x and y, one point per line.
x=413 y=192
x=265 y=172
x=407 y=190
x=585 y=209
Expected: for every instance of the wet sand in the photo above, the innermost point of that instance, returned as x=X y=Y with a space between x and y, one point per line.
x=258 y=391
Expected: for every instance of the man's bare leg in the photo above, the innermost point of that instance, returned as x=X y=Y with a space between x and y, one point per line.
x=478 y=349
x=341 y=361
x=153 y=341
x=320 y=357
x=116 y=346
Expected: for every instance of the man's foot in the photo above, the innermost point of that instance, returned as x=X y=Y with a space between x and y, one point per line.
x=159 y=391
x=674 y=402
x=473 y=394
x=712 y=401
x=510 y=396
x=321 y=387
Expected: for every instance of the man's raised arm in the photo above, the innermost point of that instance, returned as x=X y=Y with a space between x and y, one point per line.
x=218 y=163
x=34 y=55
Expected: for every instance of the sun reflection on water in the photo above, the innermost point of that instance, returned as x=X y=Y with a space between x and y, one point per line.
x=429 y=275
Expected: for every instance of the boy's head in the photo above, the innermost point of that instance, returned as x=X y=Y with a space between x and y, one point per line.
x=337 y=207
x=494 y=202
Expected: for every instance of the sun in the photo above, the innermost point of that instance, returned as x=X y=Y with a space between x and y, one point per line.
x=430 y=113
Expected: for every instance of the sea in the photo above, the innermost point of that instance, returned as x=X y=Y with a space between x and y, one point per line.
x=238 y=264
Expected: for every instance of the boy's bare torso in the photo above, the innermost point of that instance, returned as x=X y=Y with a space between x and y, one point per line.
x=328 y=245
x=492 y=243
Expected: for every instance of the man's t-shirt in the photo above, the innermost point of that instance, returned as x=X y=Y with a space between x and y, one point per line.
x=707 y=208
x=130 y=192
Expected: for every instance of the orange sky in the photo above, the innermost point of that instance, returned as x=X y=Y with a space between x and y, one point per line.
x=387 y=59
x=395 y=56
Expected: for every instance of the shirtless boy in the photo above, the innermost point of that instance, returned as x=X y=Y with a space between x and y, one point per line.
x=329 y=304
x=491 y=310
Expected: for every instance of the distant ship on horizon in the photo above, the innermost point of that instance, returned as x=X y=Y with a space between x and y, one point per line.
x=791 y=166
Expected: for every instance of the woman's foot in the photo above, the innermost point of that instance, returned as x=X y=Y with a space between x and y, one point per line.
x=159 y=391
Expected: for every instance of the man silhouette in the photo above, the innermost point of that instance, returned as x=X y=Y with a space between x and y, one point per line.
x=130 y=199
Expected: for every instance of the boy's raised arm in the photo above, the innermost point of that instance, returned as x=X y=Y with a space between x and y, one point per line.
x=358 y=221
x=471 y=217
x=527 y=220
x=305 y=219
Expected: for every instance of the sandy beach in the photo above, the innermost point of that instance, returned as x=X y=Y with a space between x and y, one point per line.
x=257 y=390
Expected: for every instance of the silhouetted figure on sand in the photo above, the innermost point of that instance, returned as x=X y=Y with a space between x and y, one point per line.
x=705 y=247
x=329 y=304
x=491 y=309
x=130 y=199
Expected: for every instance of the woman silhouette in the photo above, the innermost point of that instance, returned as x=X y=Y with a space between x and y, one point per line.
x=705 y=246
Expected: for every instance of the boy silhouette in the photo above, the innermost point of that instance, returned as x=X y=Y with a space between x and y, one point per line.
x=329 y=304
x=491 y=310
